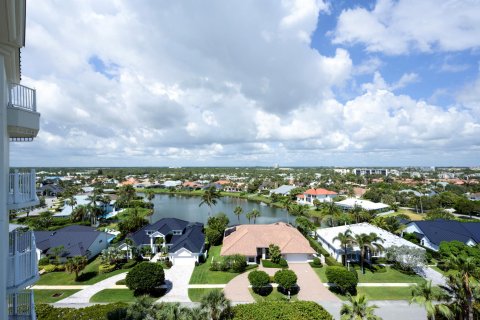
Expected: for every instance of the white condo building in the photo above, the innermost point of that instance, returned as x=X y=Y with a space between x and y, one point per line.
x=19 y=121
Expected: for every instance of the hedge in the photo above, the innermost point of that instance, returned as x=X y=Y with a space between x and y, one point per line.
x=106 y=268
x=47 y=312
x=330 y=261
x=318 y=247
x=281 y=310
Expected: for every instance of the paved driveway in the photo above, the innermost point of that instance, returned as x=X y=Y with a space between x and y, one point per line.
x=176 y=279
x=311 y=288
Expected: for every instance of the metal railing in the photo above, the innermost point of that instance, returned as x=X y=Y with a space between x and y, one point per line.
x=23 y=97
x=22 y=259
x=21 y=188
x=21 y=306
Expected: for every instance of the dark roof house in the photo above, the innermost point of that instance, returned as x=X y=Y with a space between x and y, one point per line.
x=184 y=240
x=431 y=233
x=76 y=241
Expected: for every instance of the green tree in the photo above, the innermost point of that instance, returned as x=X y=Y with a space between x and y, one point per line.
x=57 y=253
x=80 y=213
x=238 y=212
x=216 y=305
x=367 y=242
x=145 y=277
x=275 y=253
x=286 y=279
x=259 y=280
x=126 y=194
x=304 y=225
x=346 y=241
x=216 y=226
x=249 y=216
x=210 y=198
x=317 y=204
x=427 y=296
x=72 y=202
x=76 y=265
x=255 y=214
x=357 y=308
x=149 y=194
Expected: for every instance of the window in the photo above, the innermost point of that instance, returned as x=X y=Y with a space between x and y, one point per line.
x=149 y=232
x=177 y=232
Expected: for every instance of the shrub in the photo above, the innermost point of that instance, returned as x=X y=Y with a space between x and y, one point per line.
x=346 y=281
x=287 y=279
x=145 y=277
x=275 y=253
x=316 y=263
x=283 y=263
x=259 y=280
x=281 y=310
x=330 y=261
x=237 y=262
x=47 y=312
x=106 y=268
x=120 y=282
x=49 y=268
x=43 y=261
x=60 y=267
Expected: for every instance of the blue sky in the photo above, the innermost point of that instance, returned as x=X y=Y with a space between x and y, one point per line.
x=297 y=82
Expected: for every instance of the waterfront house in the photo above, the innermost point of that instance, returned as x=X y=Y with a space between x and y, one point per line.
x=323 y=195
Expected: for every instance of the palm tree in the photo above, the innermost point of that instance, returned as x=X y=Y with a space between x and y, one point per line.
x=215 y=305
x=425 y=295
x=76 y=264
x=357 y=212
x=288 y=203
x=150 y=194
x=71 y=201
x=209 y=198
x=358 y=309
x=249 y=216
x=466 y=270
x=129 y=242
x=92 y=205
x=346 y=241
x=367 y=242
x=255 y=214
x=80 y=213
x=127 y=194
x=238 y=212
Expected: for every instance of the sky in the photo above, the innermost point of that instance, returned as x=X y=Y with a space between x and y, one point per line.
x=253 y=83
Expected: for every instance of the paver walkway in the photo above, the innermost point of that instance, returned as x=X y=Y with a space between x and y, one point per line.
x=83 y=296
x=311 y=288
x=176 y=279
x=236 y=289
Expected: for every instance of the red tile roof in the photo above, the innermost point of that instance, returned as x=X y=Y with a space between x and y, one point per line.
x=320 y=191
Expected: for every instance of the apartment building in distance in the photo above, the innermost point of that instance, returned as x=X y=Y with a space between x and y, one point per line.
x=19 y=122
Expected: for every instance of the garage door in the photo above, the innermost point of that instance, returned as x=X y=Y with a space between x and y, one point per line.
x=296 y=257
x=184 y=260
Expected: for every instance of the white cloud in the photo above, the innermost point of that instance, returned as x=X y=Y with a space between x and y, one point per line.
x=400 y=27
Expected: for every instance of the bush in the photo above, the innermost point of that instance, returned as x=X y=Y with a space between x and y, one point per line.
x=316 y=263
x=275 y=253
x=43 y=261
x=145 y=277
x=49 y=268
x=129 y=264
x=287 y=279
x=330 y=261
x=47 y=312
x=237 y=263
x=270 y=264
x=346 y=281
x=121 y=282
x=260 y=281
x=281 y=310
x=106 y=268
x=283 y=263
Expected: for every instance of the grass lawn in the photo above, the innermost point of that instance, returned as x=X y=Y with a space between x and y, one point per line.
x=273 y=296
x=202 y=274
x=390 y=276
x=51 y=296
x=89 y=275
x=411 y=214
x=196 y=294
x=113 y=295
x=385 y=293
x=142 y=212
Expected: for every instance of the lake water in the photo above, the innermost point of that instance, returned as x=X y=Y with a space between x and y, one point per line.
x=186 y=208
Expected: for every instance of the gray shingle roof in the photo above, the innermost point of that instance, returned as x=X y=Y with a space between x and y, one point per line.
x=448 y=230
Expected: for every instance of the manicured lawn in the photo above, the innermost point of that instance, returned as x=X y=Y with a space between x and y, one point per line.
x=89 y=275
x=196 y=294
x=51 y=296
x=114 y=295
x=269 y=264
x=390 y=276
x=202 y=274
x=411 y=214
x=273 y=296
x=385 y=293
x=142 y=212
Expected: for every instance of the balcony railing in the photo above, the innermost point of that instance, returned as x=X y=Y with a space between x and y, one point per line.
x=21 y=306
x=22 y=260
x=22 y=97
x=22 y=190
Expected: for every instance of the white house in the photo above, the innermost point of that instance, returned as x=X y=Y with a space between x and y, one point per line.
x=323 y=195
x=351 y=203
x=326 y=238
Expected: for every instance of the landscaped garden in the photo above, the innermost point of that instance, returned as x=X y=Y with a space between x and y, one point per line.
x=196 y=294
x=203 y=275
x=113 y=295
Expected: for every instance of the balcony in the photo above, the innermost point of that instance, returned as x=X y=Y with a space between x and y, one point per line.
x=22 y=260
x=22 y=116
x=22 y=190
x=21 y=306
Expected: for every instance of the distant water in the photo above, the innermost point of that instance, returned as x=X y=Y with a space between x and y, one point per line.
x=186 y=208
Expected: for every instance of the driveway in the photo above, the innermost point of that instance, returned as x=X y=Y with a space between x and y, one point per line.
x=311 y=288
x=176 y=279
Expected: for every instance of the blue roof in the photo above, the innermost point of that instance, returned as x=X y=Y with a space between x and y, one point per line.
x=192 y=237
x=448 y=230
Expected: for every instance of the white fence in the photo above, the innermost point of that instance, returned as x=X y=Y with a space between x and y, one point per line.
x=22 y=97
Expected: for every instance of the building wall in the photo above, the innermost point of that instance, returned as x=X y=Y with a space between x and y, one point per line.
x=99 y=244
